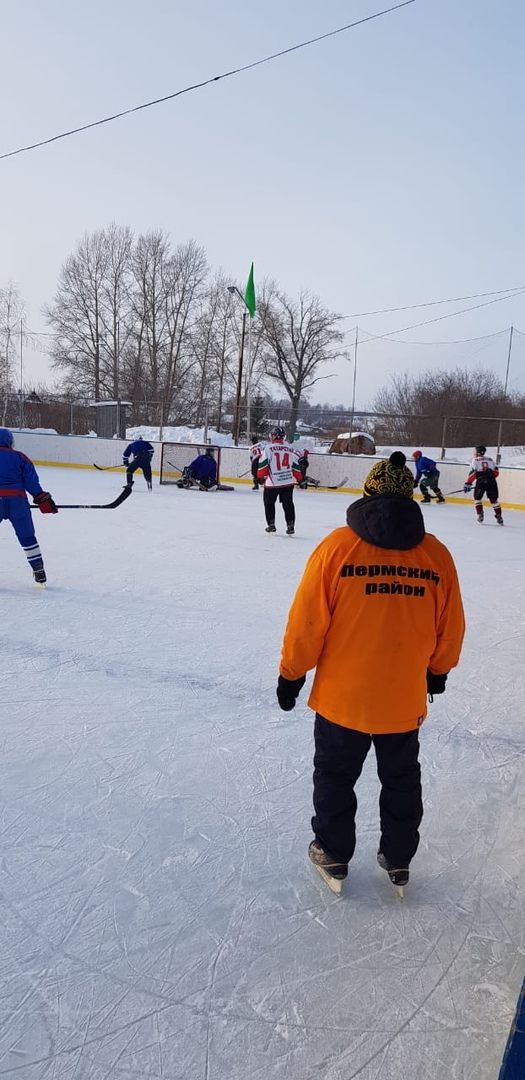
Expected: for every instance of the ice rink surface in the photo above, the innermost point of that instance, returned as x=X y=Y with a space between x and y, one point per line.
x=159 y=916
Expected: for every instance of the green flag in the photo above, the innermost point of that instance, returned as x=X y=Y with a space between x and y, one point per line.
x=249 y=296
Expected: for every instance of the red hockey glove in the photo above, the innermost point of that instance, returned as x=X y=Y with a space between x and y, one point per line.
x=46 y=503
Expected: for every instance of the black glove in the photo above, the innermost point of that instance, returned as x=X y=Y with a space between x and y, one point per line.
x=435 y=683
x=45 y=503
x=288 y=690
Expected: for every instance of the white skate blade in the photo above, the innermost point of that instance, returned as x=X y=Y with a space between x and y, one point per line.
x=334 y=884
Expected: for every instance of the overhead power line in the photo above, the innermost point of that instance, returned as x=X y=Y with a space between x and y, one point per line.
x=434 y=303
x=449 y=315
x=206 y=82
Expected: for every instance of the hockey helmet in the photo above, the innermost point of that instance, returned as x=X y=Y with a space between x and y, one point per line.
x=481 y=450
x=209 y=451
x=416 y=455
x=278 y=433
x=305 y=453
x=6 y=437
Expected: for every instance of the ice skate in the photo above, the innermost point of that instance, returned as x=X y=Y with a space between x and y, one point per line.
x=270 y=528
x=499 y=519
x=398 y=876
x=40 y=577
x=480 y=514
x=440 y=497
x=332 y=873
x=426 y=498
x=290 y=530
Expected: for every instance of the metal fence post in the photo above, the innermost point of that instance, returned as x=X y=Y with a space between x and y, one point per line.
x=443 y=438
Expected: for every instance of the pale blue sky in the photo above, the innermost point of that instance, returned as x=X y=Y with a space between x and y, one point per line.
x=381 y=167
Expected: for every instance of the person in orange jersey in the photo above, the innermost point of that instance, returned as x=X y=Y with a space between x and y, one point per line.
x=378 y=614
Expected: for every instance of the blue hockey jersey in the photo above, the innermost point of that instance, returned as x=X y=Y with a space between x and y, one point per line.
x=204 y=467
x=140 y=450
x=424 y=467
x=17 y=474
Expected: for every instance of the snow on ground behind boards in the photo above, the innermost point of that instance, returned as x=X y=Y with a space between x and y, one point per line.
x=159 y=915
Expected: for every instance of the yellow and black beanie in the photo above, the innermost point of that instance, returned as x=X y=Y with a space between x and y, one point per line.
x=390 y=477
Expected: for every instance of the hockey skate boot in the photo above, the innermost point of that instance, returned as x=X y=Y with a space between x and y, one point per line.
x=440 y=497
x=398 y=876
x=40 y=576
x=479 y=513
x=426 y=498
x=290 y=530
x=333 y=873
x=270 y=528
x=498 y=516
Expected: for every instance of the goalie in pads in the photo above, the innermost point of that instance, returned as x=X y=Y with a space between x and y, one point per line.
x=279 y=469
x=201 y=472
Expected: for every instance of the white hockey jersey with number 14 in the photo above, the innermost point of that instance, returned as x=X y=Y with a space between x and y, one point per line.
x=278 y=465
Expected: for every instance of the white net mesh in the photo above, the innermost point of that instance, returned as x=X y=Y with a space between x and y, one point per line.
x=175 y=457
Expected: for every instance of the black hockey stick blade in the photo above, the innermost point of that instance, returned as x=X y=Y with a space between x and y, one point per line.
x=126 y=491
x=106 y=468
x=334 y=487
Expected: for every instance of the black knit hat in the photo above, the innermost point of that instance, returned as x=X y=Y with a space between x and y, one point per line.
x=390 y=477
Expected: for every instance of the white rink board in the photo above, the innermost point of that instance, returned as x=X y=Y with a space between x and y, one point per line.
x=159 y=915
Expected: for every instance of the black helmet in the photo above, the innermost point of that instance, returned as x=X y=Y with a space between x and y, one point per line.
x=278 y=433
x=481 y=450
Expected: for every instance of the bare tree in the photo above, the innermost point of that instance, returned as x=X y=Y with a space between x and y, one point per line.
x=300 y=337
x=12 y=331
x=166 y=295
x=77 y=316
x=426 y=399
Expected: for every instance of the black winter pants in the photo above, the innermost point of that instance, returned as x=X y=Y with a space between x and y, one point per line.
x=285 y=495
x=339 y=758
x=146 y=469
x=486 y=485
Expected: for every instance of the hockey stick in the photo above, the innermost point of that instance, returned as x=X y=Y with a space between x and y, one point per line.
x=447 y=493
x=106 y=468
x=239 y=475
x=334 y=487
x=126 y=491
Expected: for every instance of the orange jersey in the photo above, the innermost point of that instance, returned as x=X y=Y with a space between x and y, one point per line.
x=371 y=620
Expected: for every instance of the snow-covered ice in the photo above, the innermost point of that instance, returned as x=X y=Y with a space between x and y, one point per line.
x=159 y=915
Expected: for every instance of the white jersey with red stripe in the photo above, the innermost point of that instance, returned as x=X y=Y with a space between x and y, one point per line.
x=482 y=464
x=278 y=465
x=256 y=451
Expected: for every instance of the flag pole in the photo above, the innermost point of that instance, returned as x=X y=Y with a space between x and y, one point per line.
x=249 y=384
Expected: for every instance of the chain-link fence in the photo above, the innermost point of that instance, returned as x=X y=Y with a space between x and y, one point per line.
x=250 y=423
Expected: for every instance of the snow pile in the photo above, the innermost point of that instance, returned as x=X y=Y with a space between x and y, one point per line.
x=181 y=435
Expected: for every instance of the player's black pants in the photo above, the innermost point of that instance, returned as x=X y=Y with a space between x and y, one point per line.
x=285 y=496
x=486 y=485
x=146 y=469
x=254 y=468
x=339 y=758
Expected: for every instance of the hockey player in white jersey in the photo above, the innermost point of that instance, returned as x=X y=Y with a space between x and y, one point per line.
x=483 y=473
x=280 y=472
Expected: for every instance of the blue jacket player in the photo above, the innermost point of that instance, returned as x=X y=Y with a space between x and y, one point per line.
x=202 y=471
x=427 y=476
x=142 y=453
x=18 y=475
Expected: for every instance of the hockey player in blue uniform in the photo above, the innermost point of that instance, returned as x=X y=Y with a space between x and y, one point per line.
x=142 y=453
x=427 y=476
x=18 y=475
x=202 y=471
